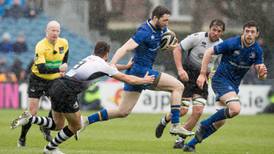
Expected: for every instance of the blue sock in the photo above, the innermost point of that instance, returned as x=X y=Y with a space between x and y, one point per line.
x=209 y=130
x=175 y=114
x=192 y=142
x=99 y=116
x=219 y=115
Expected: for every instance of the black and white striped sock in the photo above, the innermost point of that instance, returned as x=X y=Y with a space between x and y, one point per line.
x=43 y=121
x=61 y=137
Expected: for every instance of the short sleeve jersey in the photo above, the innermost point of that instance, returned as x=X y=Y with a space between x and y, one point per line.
x=237 y=59
x=50 y=55
x=148 y=38
x=90 y=68
x=194 y=46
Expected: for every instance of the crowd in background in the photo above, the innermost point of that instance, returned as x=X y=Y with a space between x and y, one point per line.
x=18 y=8
x=15 y=45
x=14 y=72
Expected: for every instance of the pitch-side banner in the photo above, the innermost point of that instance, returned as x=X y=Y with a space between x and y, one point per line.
x=253 y=99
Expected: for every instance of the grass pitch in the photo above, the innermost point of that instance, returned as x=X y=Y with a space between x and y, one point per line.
x=135 y=135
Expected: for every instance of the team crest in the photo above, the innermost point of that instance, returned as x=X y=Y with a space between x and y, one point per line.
x=75 y=105
x=61 y=50
x=152 y=37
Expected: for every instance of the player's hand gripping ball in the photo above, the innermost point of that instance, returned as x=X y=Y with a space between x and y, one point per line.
x=168 y=41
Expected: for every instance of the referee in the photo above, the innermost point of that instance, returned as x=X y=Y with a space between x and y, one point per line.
x=50 y=63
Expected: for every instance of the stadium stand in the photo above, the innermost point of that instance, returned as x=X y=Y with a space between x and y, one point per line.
x=34 y=31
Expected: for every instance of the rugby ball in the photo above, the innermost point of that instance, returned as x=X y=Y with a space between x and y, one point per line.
x=168 y=38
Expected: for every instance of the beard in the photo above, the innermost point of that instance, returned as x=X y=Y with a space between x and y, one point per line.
x=158 y=26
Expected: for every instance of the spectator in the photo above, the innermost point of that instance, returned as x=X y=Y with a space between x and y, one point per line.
x=3 y=70
x=20 y=45
x=6 y=45
x=18 y=70
x=30 y=9
x=11 y=77
x=16 y=10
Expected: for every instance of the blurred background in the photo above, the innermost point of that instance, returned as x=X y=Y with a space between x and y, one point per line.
x=84 y=22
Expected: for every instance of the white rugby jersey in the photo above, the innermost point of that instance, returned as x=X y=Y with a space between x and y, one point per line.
x=90 y=68
x=194 y=46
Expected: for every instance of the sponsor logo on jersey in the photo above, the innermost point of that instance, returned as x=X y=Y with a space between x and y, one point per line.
x=252 y=55
x=61 y=50
x=236 y=52
x=203 y=44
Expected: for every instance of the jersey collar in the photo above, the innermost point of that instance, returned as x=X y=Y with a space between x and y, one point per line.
x=151 y=26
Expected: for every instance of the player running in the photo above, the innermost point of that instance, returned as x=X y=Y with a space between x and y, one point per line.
x=238 y=55
x=192 y=48
x=145 y=43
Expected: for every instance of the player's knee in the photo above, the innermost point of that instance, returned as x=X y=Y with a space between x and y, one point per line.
x=178 y=87
x=76 y=127
x=234 y=106
x=33 y=111
x=234 y=111
x=58 y=126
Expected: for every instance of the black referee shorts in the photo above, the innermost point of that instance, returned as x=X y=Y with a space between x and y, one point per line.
x=38 y=86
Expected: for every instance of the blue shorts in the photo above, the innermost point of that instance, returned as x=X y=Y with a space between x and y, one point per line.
x=221 y=86
x=141 y=71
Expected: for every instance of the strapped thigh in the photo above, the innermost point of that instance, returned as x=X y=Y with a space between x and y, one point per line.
x=199 y=101
x=185 y=103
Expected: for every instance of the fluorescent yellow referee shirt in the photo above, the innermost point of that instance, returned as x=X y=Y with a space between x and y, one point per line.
x=50 y=55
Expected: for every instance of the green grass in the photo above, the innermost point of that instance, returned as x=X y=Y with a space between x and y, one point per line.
x=135 y=135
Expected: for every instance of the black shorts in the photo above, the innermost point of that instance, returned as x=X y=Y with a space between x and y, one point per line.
x=191 y=87
x=38 y=86
x=63 y=95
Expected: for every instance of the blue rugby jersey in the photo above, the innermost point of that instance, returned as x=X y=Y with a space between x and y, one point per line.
x=148 y=39
x=236 y=60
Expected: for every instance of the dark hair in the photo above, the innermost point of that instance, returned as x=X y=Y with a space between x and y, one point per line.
x=101 y=48
x=159 y=11
x=217 y=22
x=251 y=23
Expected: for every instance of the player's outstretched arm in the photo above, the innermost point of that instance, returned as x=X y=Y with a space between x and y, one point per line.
x=121 y=67
x=121 y=52
x=206 y=59
x=134 y=80
x=261 y=71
